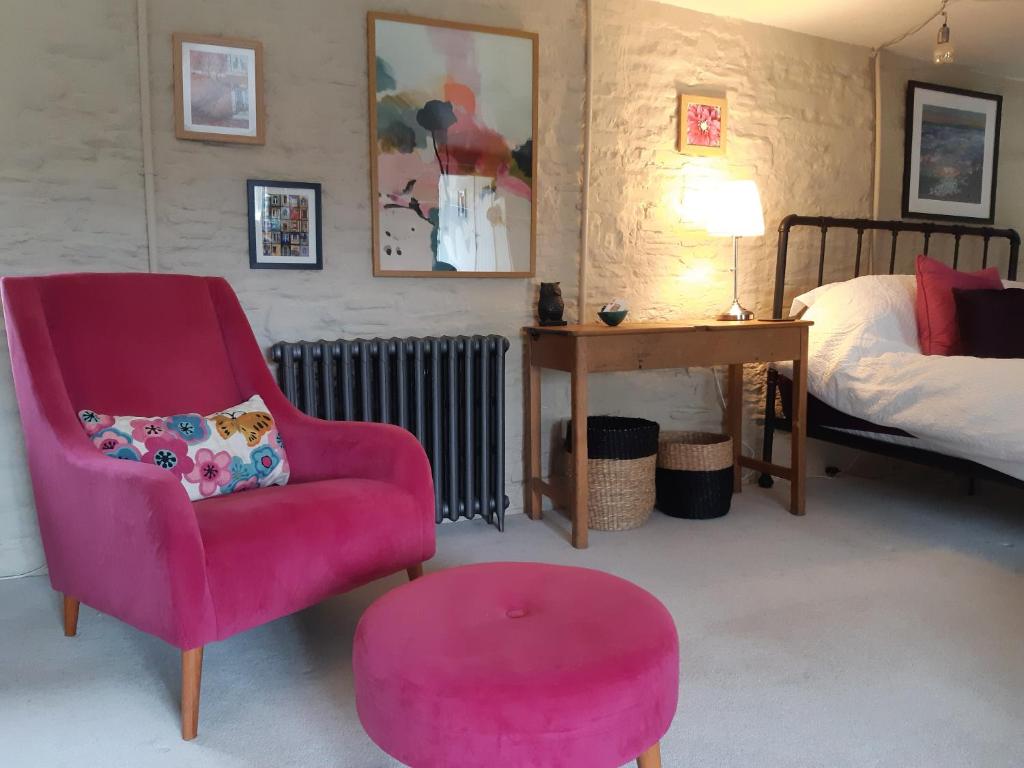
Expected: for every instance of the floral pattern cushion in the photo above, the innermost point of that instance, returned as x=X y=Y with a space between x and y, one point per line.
x=234 y=450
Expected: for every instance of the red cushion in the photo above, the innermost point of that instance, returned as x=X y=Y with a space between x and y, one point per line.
x=936 y=309
x=274 y=551
x=506 y=665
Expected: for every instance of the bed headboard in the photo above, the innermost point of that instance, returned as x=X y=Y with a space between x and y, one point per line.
x=895 y=229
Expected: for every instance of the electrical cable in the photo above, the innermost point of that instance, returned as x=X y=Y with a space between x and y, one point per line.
x=915 y=30
x=721 y=399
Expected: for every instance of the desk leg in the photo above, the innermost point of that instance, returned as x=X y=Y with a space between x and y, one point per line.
x=798 y=434
x=579 y=510
x=534 y=473
x=734 y=423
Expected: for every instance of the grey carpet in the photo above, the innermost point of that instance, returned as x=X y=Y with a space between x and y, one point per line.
x=884 y=629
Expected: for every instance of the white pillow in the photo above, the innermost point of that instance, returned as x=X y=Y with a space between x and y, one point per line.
x=233 y=450
x=805 y=301
x=874 y=311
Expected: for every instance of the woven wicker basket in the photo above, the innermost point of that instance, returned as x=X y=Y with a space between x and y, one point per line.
x=620 y=478
x=695 y=474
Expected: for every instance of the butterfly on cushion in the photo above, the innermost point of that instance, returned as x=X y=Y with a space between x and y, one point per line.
x=252 y=425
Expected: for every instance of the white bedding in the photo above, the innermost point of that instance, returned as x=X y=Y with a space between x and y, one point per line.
x=864 y=360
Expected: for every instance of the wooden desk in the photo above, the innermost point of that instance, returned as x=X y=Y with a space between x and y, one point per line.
x=583 y=349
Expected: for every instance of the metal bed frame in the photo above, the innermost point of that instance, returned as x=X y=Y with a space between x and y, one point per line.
x=773 y=420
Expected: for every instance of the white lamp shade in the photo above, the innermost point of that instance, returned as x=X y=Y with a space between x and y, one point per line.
x=736 y=210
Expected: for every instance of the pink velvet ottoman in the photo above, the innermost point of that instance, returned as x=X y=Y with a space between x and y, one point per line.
x=517 y=665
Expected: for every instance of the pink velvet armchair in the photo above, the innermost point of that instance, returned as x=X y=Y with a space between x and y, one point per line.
x=123 y=537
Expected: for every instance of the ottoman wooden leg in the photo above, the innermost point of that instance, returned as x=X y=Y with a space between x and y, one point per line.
x=651 y=758
x=414 y=572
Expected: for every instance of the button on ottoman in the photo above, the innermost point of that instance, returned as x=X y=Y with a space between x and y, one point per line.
x=517 y=665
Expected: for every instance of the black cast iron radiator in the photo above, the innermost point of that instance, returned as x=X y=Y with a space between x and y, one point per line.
x=449 y=391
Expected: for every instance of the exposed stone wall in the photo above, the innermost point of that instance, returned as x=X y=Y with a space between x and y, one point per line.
x=800 y=123
x=71 y=193
x=71 y=187
x=317 y=130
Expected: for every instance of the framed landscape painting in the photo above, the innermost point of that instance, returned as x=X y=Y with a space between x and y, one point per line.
x=951 y=153
x=218 y=89
x=702 y=125
x=453 y=126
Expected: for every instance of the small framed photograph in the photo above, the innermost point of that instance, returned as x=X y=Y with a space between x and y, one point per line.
x=951 y=153
x=702 y=125
x=276 y=247
x=218 y=89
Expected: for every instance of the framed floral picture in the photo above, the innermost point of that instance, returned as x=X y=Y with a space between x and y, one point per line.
x=285 y=231
x=702 y=125
x=453 y=152
x=218 y=89
x=951 y=153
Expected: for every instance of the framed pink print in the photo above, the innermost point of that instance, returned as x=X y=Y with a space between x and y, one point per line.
x=702 y=125
x=218 y=89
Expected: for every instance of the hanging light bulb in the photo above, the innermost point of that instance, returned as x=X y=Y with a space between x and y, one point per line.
x=944 y=52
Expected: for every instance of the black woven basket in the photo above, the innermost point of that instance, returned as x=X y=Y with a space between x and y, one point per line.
x=618 y=437
x=695 y=475
x=622 y=455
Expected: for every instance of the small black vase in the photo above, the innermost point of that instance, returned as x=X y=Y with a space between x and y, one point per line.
x=550 y=306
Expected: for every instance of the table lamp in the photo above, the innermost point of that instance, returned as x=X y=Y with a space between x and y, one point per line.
x=736 y=213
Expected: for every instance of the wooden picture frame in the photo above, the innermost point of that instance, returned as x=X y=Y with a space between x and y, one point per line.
x=388 y=202
x=225 y=108
x=285 y=224
x=703 y=125
x=950 y=153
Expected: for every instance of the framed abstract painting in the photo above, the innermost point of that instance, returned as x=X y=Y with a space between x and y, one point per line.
x=951 y=153
x=702 y=125
x=453 y=156
x=218 y=89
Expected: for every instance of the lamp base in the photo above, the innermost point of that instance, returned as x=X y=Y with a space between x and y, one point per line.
x=737 y=312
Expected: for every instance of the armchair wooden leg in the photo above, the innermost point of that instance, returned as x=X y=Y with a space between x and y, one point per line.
x=70 y=616
x=651 y=758
x=415 y=572
x=191 y=678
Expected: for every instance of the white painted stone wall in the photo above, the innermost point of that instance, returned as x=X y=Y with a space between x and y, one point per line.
x=70 y=183
x=71 y=186
x=317 y=130
x=800 y=124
